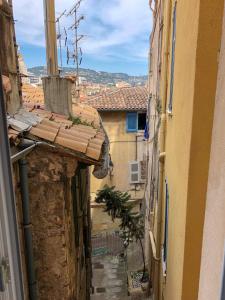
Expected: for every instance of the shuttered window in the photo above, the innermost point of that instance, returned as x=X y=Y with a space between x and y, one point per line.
x=170 y=106
x=132 y=122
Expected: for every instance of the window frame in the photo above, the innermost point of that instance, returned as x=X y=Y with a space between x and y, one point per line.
x=136 y=114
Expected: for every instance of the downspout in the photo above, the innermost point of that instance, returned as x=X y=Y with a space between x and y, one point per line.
x=32 y=284
x=162 y=154
x=28 y=146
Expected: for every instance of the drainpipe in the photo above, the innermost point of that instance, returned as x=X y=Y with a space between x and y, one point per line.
x=32 y=284
x=162 y=157
x=158 y=263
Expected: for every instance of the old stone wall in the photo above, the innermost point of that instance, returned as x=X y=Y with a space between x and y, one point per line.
x=61 y=234
x=8 y=55
x=52 y=223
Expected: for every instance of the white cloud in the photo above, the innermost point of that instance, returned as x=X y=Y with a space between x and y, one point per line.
x=112 y=27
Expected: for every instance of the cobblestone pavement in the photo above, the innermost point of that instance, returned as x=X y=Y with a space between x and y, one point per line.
x=109 y=278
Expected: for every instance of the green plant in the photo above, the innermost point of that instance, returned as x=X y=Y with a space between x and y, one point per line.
x=78 y=121
x=118 y=207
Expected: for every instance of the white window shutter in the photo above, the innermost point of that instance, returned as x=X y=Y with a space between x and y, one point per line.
x=134 y=167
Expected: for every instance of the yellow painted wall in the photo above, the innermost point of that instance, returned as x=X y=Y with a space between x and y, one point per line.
x=123 y=148
x=188 y=140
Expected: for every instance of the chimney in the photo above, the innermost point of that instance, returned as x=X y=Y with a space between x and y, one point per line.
x=57 y=90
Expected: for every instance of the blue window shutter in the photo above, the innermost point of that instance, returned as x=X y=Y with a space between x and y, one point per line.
x=131 y=122
x=170 y=106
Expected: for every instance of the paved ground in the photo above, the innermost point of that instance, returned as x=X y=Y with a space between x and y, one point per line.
x=109 y=278
x=110 y=269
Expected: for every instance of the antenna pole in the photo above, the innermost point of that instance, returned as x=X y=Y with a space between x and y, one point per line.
x=50 y=36
x=76 y=47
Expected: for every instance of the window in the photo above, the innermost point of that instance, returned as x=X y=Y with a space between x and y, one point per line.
x=141 y=121
x=170 y=106
x=131 y=122
x=135 y=121
x=165 y=243
x=137 y=171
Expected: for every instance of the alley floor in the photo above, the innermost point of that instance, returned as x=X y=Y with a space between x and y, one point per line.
x=109 y=278
x=110 y=267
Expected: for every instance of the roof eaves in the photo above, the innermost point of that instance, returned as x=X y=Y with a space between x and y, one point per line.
x=121 y=109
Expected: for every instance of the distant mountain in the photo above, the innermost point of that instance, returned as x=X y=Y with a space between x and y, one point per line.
x=95 y=76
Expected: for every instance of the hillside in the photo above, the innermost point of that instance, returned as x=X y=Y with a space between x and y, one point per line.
x=95 y=76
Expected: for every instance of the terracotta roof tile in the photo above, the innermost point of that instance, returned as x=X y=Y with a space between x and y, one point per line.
x=57 y=130
x=93 y=153
x=130 y=98
x=71 y=144
x=12 y=134
x=35 y=121
x=44 y=132
x=32 y=95
x=86 y=114
x=33 y=99
x=65 y=133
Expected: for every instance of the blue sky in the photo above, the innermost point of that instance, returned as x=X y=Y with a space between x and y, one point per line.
x=117 y=33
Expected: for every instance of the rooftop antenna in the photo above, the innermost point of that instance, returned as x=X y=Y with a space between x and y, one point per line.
x=77 y=54
x=59 y=35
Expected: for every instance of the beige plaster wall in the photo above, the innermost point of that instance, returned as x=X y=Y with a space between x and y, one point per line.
x=123 y=149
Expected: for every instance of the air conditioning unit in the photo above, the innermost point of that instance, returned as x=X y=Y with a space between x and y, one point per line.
x=137 y=172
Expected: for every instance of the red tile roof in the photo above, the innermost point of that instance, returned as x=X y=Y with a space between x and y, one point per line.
x=32 y=95
x=39 y=124
x=131 y=98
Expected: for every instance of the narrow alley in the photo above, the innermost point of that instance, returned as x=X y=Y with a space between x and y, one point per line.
x=112 y=157
x=109 y=278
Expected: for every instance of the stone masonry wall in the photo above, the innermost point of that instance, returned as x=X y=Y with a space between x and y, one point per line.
x=52 y=223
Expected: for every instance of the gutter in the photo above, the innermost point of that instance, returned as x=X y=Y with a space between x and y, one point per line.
x=22 y=153
x=32 y=283
x=28 y=146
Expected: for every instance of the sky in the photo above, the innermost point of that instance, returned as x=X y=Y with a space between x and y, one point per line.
x=116 y=33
